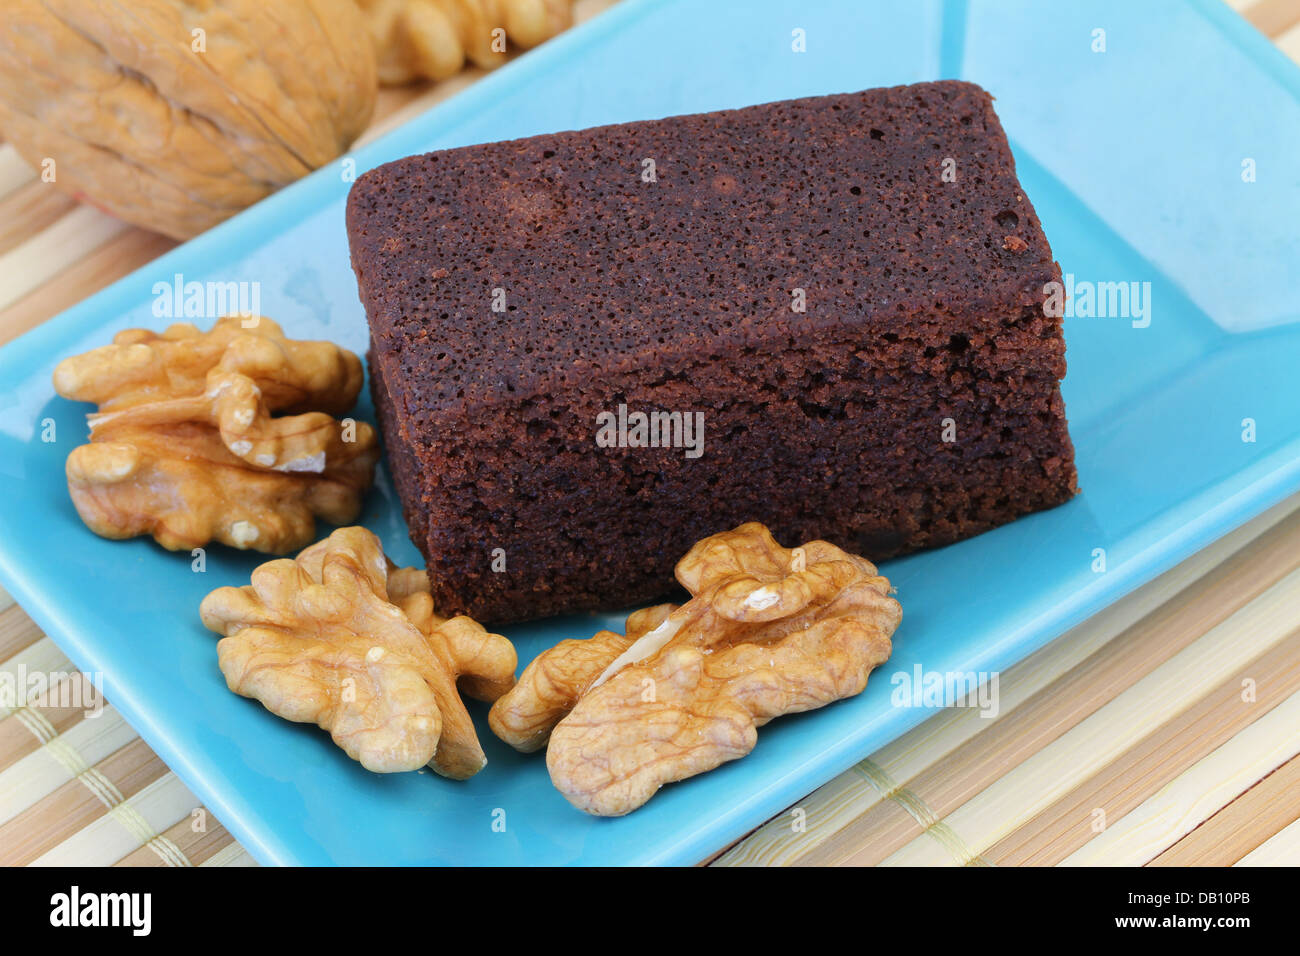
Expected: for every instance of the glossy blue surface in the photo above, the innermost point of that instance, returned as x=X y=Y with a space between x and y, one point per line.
x=1133 y=158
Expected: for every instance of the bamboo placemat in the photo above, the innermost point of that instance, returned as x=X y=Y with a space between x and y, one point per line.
x=1165 y=730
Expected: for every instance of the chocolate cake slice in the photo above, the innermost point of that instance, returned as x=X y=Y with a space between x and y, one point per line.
x=591 y=349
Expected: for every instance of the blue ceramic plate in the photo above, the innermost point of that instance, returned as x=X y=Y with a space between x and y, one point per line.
x=1166 y=159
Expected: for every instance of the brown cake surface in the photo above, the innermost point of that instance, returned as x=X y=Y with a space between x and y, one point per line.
x=519 y=293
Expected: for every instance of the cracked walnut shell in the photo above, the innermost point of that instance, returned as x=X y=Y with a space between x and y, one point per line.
x=185 y=446
x=341 y=638
x=767 y=631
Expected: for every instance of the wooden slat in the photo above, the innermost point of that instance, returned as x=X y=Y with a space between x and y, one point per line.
x=1034 y=783
x=197 y=846
x=132 y=249
x=17 y=631
x=1199 y=792
x=57 y=247
x=26 y=782
x=1272 y=17
x=1264 y=810
x=1120 y=787
x=140 y=818
x=1282 y=849
x=39 y=657
x=14 y=172
x=28 y=211
x=77 y=803
x=230 y=855
x=1289 y=42
x=61 y=707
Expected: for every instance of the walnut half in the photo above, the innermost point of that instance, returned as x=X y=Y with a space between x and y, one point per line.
x=340 y=638
x=224 y=435
x=767 y=631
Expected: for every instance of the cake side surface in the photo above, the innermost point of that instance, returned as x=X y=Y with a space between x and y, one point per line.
x=829 y=441
x=404 y=466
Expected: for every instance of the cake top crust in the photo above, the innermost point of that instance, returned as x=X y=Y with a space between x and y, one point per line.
x=526 y=267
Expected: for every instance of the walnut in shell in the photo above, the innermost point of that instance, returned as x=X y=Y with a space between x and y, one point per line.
x=340 y=638
x=767 y=631
x=432 y=39
x=174 y=114
x=185 y=446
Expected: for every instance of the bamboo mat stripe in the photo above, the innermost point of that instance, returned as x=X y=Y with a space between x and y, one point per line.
x=1283 y=849
x=232 y=854
x=1117 y=788
x=13 y=171
x=1228 y=836
x=105 y=265
x=17 y=630
x=1289 y=42
x=1162 y=731
x=33 y=208
x=1037 y=779
x=1198 y=792
x=128 y=825
x=191 y=841
x=56 y=247
x=66 y=757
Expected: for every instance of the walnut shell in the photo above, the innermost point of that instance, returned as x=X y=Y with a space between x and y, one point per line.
x=142 y=123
